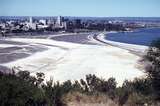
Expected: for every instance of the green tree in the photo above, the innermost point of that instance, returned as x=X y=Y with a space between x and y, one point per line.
x=153 y=67
x=16 y=90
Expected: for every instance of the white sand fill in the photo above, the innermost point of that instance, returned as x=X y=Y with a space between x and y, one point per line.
x=68 y=61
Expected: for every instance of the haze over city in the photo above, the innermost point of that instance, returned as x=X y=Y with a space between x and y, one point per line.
x=90 y=8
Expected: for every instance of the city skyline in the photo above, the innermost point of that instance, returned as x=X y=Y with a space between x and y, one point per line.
x=83 y=8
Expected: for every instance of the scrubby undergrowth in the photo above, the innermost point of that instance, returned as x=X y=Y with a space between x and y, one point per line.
x=21 y=89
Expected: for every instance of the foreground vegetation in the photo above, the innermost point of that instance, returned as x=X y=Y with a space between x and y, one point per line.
x=22 y=89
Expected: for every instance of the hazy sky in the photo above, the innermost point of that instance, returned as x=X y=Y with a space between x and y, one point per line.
x=98 y=8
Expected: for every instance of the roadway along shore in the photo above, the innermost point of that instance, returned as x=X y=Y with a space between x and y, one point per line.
x=136 y=49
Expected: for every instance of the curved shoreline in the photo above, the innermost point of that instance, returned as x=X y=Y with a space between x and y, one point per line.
x=135 y=49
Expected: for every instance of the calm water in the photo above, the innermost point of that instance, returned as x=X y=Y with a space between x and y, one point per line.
x=140 y=36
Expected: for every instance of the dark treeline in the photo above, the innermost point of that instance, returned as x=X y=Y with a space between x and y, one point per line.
x=22 y=89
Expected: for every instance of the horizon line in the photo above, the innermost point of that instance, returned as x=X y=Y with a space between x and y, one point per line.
x=83 y=16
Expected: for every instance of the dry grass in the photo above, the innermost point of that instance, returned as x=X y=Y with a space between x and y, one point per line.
x=79 y=99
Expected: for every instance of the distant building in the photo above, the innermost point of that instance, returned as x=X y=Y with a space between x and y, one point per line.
x=77 y=23
x=31 y=25
x=59 y=20
x=44 y=22
x=50 y=21
x=30 y=20
x=64 y=24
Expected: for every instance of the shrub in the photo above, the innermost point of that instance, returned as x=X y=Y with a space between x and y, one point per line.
x=153 y=68
x=18 y=92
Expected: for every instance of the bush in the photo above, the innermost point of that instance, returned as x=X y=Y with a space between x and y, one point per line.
x=23 y=89
x=153 y=68
x=17 y=92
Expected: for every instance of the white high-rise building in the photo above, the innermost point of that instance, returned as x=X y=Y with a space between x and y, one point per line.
x=30 y=20
x=30 y=24
x=59 y=20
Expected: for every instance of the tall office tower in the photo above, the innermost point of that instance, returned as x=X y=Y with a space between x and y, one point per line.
x=31 y=24
x=30 y=20
x=59 y=20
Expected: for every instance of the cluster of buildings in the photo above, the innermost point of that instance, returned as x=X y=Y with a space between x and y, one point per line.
x=31 y=24
x=63 y=24
x=59 y=23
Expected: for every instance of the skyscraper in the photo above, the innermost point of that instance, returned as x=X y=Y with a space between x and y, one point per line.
x=30 y=20
x=59 y=20
x=31 y=25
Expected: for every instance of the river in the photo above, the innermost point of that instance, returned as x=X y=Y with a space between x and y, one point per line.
x=138 y=36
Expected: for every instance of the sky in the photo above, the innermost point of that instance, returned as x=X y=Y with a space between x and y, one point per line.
x=89 y=8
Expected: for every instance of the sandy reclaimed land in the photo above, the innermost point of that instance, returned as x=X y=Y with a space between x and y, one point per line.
x=70 y=61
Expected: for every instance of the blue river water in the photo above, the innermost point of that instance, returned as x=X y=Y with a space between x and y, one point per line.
x=139 y=36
